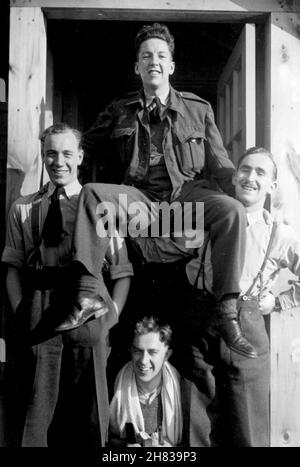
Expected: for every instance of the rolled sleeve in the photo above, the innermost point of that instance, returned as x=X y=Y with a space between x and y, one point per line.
x=117 y=258
x=14 y=251
x=13 y=257
x=121 y=270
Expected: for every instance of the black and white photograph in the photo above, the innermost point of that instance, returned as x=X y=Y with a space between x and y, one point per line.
x=149 y=227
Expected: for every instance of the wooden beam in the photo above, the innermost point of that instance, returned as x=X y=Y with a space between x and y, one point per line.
x=26 y=100
x=264 y=6
x=2 y=350
x=260 y=84
x=180 y=15
x=48 y=114
x=238 y=78
x=2 y=90
x=285 y=381
x=282 y=137
x=248 y=67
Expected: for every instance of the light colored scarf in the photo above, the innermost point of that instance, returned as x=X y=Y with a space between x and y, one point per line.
x=125 y=405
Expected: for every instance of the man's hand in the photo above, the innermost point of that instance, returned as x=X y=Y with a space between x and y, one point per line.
x=266 y=303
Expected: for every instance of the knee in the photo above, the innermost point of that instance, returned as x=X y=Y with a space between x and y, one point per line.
x=93 y=192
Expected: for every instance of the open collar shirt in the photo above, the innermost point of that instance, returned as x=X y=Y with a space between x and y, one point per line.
x=285 y=253
x=19 y=240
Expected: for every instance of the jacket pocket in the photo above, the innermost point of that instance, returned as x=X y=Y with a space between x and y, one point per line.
x=124 y=139
x=122 y=132
x=190 y=149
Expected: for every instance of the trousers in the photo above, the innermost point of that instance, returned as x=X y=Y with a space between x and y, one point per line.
x=223 y=216
x=228 y=394
x=61 y=393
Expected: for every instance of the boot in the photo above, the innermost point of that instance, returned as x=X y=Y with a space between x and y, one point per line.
x=89 y=303
x=85 y=309
x=230 y=330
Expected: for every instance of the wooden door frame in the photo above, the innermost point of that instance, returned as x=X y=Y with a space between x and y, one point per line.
x=236 y=111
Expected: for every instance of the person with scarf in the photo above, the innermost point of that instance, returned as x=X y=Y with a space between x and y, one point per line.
x=146 y=407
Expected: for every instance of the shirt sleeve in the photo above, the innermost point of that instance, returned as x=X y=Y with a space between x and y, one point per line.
x=218 y=163
x=290 y=258
x=117 y=258
x=14 y=251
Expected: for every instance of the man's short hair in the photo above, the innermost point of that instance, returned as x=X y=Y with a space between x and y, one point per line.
x=61 y=127
x=153 y=324
x=260 y=150
x=155 y=30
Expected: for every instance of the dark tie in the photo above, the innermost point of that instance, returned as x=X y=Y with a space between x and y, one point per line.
x=53 y=226
x=155 y=110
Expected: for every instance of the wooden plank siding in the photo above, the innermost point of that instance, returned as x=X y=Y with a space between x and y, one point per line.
x=26 y=100
x=285 y=379
x=157 y=10
x=282 y=132
x=226 y=6
x=3 y=157
x=236 y=86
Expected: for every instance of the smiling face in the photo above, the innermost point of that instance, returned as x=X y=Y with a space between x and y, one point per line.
x=155 y=65
x=254 y=179
x=62 y=156
x=148 y=355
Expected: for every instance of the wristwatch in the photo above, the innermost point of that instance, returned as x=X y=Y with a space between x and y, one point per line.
x=277 y=306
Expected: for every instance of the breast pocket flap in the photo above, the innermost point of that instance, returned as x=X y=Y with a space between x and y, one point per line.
x=120 y=132
x=191 y=136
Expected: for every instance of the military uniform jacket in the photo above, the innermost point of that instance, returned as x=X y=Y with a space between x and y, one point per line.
x=192 y=144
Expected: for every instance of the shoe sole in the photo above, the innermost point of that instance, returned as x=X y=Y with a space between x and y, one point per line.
x=74 y=326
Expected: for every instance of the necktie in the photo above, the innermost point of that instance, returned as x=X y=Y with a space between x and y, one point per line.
x=53 y=226
x=155 y=110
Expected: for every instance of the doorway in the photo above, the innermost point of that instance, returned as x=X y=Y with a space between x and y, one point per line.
x=94 y=62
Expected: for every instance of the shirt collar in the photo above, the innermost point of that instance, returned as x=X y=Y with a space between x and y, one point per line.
x=162 y=97
x=72 y=189
x=261 y=215
x=175 y=100
x=147 y=399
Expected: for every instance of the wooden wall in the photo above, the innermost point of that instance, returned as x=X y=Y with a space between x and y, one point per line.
x=26 y=100
x=3 y=158
x=282 y=136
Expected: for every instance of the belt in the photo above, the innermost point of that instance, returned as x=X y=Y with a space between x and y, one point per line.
x=249 y=298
